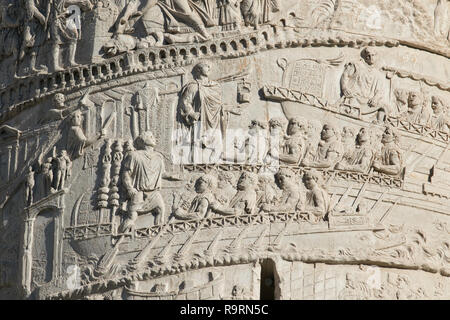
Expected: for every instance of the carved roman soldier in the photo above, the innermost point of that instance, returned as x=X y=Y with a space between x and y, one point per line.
x=244 y=201
x=439 y=119
x=291 y=198
x=317 y=202
x=417 y=111
x=142 y=175
x=389 y=161
x=328 y=152
x=201 y=205
x=360 y=158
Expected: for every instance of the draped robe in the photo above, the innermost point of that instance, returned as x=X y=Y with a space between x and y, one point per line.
x=204 y=97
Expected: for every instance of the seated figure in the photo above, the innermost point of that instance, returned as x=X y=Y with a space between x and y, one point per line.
x=253 y=148
x=294 y=146
x=389 y=160
x=439 y=119
x=358 y=160
x=328 y=152
x=348 y=140
x=244 y=201
x=201 y=205
x=417 y=112
x=317 y=199
x=267 y=192
x=291 y=198
x=276 y=136
x=362 y=86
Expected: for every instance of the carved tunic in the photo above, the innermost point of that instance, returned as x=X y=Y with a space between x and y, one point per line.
x=388 y=155
x=291 y=199
x=60 y=29
x=185 y=11
x=361 y=157
x=204 y=97
x=245 y=201
x=76 y=141
x=440 y=122
x=318 y=200
x=360 y=83
x=419 y=116
x=294 y=145
x=258 y=11
x=194 y=210
x=146 y=169
x=324 y=149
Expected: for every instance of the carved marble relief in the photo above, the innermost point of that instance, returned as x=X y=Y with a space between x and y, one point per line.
x=257 y=149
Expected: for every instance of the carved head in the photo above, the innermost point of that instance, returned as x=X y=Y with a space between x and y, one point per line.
x=144 y=140
x=284 y=176
x=49 y=160
x=389 y=135
x=328 y=131
x=128 y=146
x=63 y=153
x=118 y=146
x=347 y=133
x=205 y=182
x=275 y=126
x=201 y=70
x=246 y=180
x=265 y=179
x=311 y=179
x=415 y=99
x=437 y=104
x=58 y=101
x=77 y=118
x=368 y=54
x=363 y=136
x=255 y=126
x=225 y=178
x=401 y=95
x=297 y=124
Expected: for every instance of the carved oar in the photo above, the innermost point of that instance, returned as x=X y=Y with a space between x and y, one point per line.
x=187 y=245
x=361 y=193
x=258 y=241
x=441 y=156
x=213 y=245
x=419 y=159
x=161 y=257
x=277 y=240
x=105 y=263
x=379 y=201
x=140 y=258
x=390 y=210
x=343 y=197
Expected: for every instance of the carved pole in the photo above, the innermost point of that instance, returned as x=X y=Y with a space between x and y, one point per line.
x=27 y=255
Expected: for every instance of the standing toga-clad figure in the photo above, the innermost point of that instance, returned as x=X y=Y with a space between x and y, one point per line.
x=201 y=117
